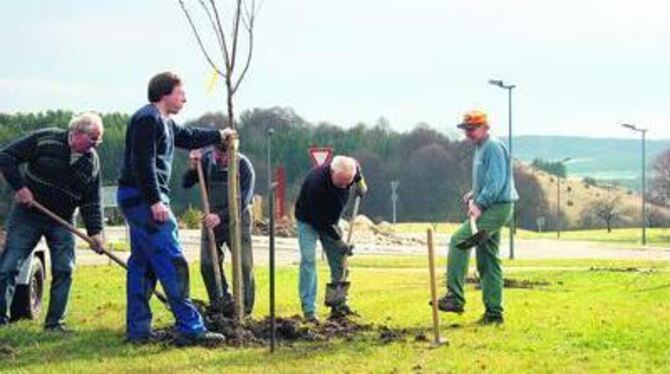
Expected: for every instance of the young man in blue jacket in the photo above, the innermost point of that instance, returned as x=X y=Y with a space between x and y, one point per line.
x=143 y=191
x=491 y=203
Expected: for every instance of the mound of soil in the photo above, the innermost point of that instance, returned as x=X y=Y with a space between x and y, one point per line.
x=257 y=333
x=6 y=350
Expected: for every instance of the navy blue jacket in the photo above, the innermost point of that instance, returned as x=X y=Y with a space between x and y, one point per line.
x=150 y=143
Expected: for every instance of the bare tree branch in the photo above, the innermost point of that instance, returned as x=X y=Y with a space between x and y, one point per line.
x=197 y=36
x=219 y=37
x=250 y=30
x=226 y=57
x=236 y=30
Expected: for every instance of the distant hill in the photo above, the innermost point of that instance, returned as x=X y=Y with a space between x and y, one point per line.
x=601 y=158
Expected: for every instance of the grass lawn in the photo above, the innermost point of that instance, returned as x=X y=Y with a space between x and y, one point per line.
x=655 y=236
x=586 y=321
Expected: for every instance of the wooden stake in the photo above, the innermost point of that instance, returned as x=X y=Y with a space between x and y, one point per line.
x=433 y=290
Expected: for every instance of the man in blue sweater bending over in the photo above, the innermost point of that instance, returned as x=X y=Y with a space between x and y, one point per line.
x=491 y=203
x=156 y=254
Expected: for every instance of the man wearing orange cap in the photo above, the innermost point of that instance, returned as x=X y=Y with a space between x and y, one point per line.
x=491 y=203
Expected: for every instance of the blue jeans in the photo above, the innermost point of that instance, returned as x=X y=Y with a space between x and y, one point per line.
x=25 y=228
x=307 y=285
x=155 y=254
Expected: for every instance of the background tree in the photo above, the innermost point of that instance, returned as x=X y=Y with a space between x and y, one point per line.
x=660 y=183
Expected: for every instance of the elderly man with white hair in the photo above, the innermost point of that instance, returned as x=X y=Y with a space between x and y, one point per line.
x=323 y=196
x=62 y=173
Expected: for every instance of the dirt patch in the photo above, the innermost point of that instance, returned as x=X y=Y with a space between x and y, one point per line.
x=289 y=330
x=512 y=283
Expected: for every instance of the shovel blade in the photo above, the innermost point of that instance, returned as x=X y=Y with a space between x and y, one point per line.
x=336 y=293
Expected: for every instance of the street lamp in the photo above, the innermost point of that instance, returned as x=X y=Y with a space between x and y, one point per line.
x=509 y=88
x=558 y=200
x=394 y=197
x=644 y=181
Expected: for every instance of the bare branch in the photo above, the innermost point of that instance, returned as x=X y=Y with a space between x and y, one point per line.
x=236 y=29
x=197 y=36
x=226 y=56
x=219 y=37
x=249 y=25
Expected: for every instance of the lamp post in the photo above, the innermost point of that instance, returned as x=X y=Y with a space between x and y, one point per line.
x=644 y=178
x=509 y=88
x=558 y=200
x=394 y=197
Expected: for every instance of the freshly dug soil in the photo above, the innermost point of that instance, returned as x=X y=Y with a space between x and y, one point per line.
x=6 y=350
x=256 y=333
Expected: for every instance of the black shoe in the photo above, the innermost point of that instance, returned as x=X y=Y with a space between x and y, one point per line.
x=449 y=304
x=491 y=319
x=224 y=306
x=155 y=337
x=4 y=321
x=58 y=329
x=311 y=318
x=204 y=339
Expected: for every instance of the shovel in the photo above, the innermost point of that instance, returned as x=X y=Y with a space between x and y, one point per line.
x=336 y=292
x=90 y=241
x=477 y=237
x=218 y=305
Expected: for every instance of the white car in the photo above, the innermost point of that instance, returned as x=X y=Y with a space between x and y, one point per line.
x=28 y=296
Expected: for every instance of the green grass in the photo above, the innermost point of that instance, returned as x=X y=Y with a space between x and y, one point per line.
x=655 y=236
x=584 y=322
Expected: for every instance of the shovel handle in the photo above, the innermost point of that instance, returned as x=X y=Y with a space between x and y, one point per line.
x=90 y=241
x=210 y=233
x=473 y=225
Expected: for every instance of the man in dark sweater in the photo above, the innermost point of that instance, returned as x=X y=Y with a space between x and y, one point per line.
x=214 y=163
x=143 y=191
x=62 y=173
x=320 y=204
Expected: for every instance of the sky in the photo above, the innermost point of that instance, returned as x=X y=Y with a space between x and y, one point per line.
x=580 y=67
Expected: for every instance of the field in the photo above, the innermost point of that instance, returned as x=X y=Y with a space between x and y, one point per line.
x=594 y=316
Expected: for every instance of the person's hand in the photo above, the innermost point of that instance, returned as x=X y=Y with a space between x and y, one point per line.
x=159 y=212
x=211 y=220
x=344 y=248
x=227 y=135
x=98 y=244
x=24 y=196
x=194 y=156
x=467 y=197
x=473 y=210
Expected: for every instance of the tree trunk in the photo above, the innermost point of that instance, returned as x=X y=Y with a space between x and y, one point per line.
x=234 y=213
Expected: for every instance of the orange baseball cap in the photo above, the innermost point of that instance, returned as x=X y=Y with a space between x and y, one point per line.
x=472 y=119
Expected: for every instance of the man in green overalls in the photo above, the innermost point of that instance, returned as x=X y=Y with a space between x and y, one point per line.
x=491 y=203
x=215 y=166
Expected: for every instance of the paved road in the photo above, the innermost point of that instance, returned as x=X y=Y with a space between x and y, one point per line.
x=287 y=249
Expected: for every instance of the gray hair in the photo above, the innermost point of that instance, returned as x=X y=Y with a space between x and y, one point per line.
x=343 y=165
x=85 y=122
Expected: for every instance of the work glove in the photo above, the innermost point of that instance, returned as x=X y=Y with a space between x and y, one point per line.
x=344 y=248
x=360 y=188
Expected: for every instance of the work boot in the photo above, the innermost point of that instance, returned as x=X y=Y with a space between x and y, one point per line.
x=491 y=319
x=204 y=339
x=449 y=304
x=341 y=311
x=154 y=337
x=58 y=329
x=311 y=318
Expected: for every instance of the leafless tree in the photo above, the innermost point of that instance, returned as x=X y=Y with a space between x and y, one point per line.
x=232 y=25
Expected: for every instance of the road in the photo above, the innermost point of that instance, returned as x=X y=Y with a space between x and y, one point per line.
x=287 y=249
